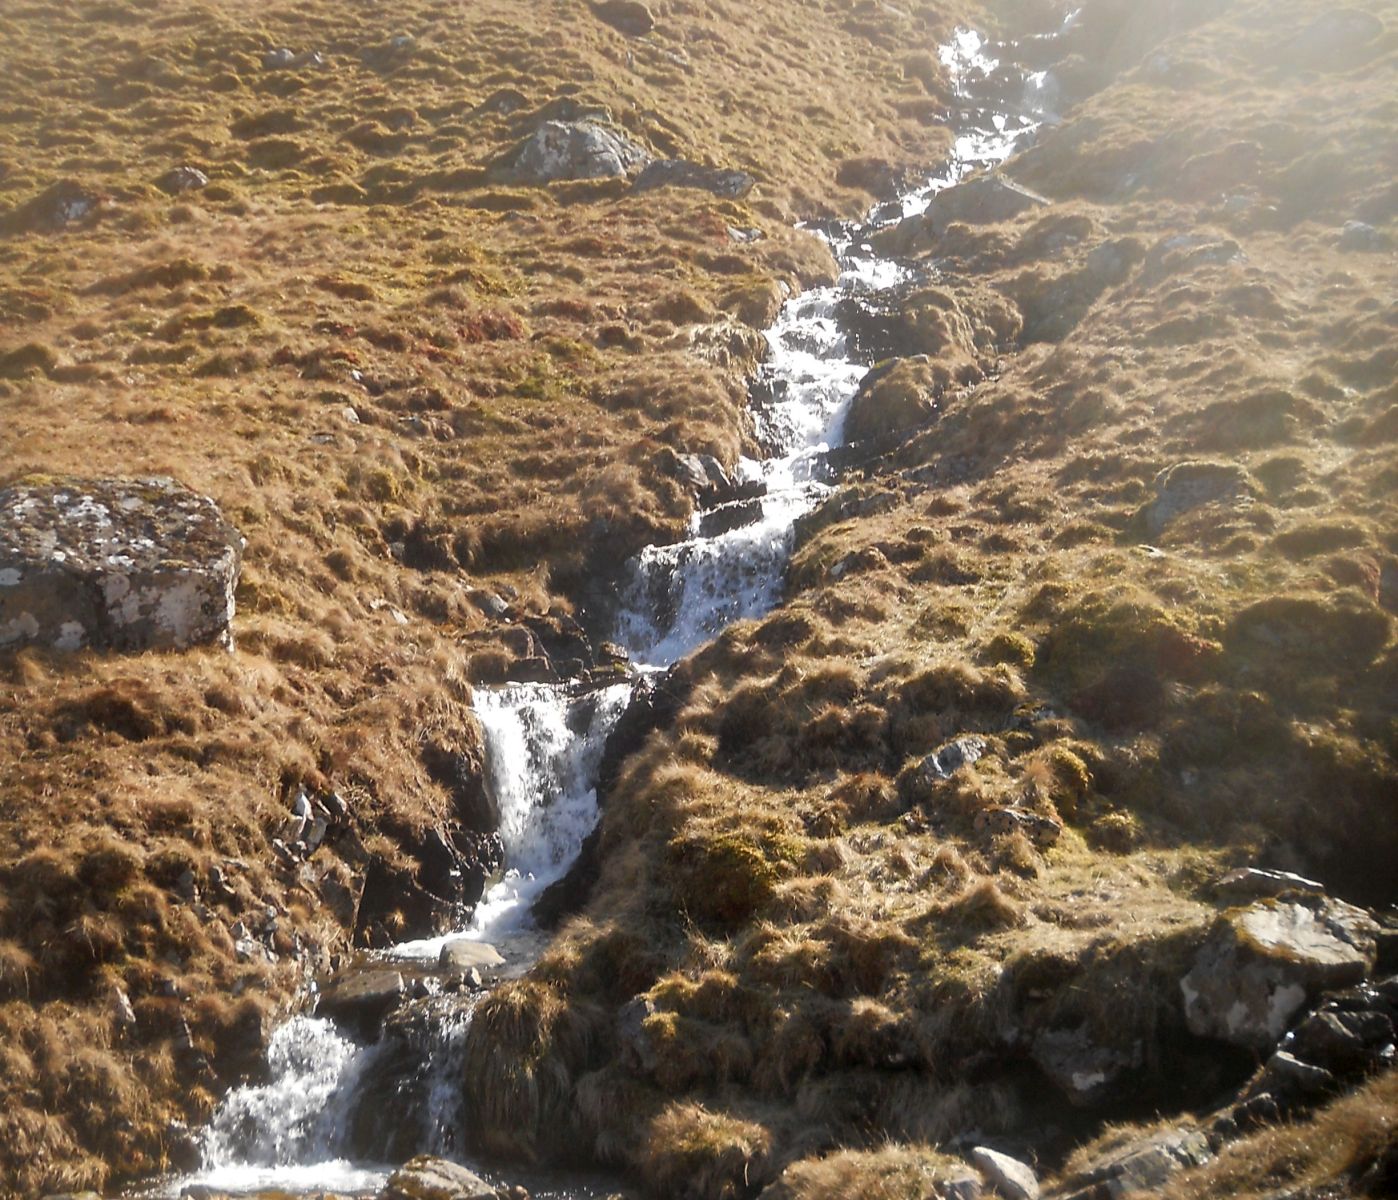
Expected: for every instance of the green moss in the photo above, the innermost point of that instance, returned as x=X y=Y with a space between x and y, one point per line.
x=1012 y=648
x=723 y=879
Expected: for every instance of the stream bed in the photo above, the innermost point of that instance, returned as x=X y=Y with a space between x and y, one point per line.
x=298 y=1132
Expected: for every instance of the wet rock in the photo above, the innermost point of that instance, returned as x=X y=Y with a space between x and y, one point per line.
x=1008 y=1176
x=1260 y=964
x=1255 y=883
x=945 y=761
x=359 y=998
x=707 y=478
x=561 y=150
x=1084 y=1070
x=727 y=517
x=1140 y=1166
x=179 y=180
x=464 y=954
x=630 y=17
x=1360 y=236
x=1343 y=1043
x=675 y=172
x=1189 y=485
x=121 y=564
x=429 y=1178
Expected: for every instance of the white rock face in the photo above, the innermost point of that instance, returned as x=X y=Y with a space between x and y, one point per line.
x=120 y=564
x=1260 y=963
x=1008 y=1176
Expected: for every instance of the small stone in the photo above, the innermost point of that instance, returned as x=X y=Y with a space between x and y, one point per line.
x=1360 y=236
x=179 y=180
x=1011 y=1178
x=630 y=17
x=947 y=760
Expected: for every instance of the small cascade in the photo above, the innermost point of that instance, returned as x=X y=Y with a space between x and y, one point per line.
x=678 y=597
x=543 y=745
x=544 y=742
x=291 y=1130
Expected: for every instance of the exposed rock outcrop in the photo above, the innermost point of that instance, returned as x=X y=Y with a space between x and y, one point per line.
x=1261 y=963
x=428 y=1178
x=563 y=150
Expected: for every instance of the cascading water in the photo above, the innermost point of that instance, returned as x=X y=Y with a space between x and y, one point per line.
x=543 y=745
x=680 y=596
x=544 y=742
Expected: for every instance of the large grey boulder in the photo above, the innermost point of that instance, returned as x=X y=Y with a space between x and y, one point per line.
x=428 y=1178
x=1260 y=964
x=121 y=564
x=562 y=150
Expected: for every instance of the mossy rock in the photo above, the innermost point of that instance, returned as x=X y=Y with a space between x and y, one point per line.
x=1341 y=631
x=722 y=879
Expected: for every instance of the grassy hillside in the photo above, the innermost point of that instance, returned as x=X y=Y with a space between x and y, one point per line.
x=1144 y=548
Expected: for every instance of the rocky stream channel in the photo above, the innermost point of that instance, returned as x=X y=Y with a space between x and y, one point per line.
x=375 y=1076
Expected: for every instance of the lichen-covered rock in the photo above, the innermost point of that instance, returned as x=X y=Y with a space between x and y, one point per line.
x=561 y=150
x=1261 y=963
x=121 y=564
x=428 y=1178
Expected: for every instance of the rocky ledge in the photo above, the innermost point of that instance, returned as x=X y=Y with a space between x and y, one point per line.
x=119 y=564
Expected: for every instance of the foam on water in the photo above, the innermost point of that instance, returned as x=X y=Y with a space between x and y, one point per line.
x=543 y=745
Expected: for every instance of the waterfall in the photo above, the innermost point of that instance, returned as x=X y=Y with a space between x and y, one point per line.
x=544 y=742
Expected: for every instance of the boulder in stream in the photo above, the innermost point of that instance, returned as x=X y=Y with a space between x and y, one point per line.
x=429 y=1178
x=115 y=564
x=359 y=998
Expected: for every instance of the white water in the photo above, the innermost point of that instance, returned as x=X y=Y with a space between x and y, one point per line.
x=678 y=597
x=543 y=747
x=287 y=1133
x=544 y=742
